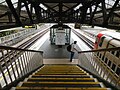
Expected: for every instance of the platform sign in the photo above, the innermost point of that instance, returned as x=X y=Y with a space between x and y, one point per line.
x=60 y=37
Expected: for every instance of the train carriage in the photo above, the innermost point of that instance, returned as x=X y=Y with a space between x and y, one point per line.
x=111 y=59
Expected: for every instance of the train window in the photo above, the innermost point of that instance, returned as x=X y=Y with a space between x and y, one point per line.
x=106 y=59
x=113 y=67
x=101 y=41
x=109 y=63
x=118 y=71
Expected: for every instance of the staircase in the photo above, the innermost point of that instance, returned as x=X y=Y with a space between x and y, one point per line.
x=60 y=77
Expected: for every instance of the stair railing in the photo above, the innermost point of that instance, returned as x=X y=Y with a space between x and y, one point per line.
x=16 y=63
x=102 y=62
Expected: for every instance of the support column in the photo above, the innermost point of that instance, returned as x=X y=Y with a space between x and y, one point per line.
x=9 y=16
x=37 y=12
x=83 y=14
x=18 y=22
x=105 y=21
x=19 y=8
x=28 y=11
x=112 y=10
x=92 y=15
x=60 y=12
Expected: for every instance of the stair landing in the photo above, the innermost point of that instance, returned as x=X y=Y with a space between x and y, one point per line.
x=59 y=61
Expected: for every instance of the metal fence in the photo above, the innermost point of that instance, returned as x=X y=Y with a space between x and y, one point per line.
x=16 y=63
x=103 y=63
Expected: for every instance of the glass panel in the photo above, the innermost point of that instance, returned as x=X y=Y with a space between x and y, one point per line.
x=1 y=1
x=14 y=1
x=109 y=3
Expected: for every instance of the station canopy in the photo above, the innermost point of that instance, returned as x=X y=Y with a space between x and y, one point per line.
x=105 y=13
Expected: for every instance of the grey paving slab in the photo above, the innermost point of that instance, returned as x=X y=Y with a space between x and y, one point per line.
x=53 y=51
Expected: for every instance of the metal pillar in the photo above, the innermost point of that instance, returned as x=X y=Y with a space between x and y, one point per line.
x=17 y=18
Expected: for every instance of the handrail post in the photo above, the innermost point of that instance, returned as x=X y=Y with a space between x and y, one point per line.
x=16 y=63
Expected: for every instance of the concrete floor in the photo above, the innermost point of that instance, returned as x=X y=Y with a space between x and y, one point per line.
x=55 y=52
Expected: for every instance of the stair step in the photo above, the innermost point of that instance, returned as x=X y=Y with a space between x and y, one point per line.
x=55 y=68
x=62 y=67
x=58 y=88
x=62 y=79
x=52 y=71
x=57 y=73
x=59 y=65
x=61 y=84
x=62 y=76
x=61 y=71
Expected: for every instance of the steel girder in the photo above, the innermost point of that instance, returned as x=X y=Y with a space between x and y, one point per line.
x=61 y=12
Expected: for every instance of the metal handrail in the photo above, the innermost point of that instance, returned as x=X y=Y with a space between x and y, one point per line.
x=13 y=48
x=17 y=63
x=99 y=66
x=100 y=50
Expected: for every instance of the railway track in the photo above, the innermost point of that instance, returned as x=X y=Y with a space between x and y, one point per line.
x=24 y=45
x=83 y=38
x=28 y=43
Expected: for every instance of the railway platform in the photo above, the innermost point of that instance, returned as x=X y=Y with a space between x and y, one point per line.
x=42 y=52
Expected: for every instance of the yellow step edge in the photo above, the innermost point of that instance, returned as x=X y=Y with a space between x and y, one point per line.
x=61 y=73
x=57 y=88
x=61 y=79
x=61 y=68
x=64 y=83
x=60 y=65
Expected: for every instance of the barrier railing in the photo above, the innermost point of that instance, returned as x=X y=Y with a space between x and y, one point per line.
x=103 y=62
x=16 y=63
x=16 y=37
